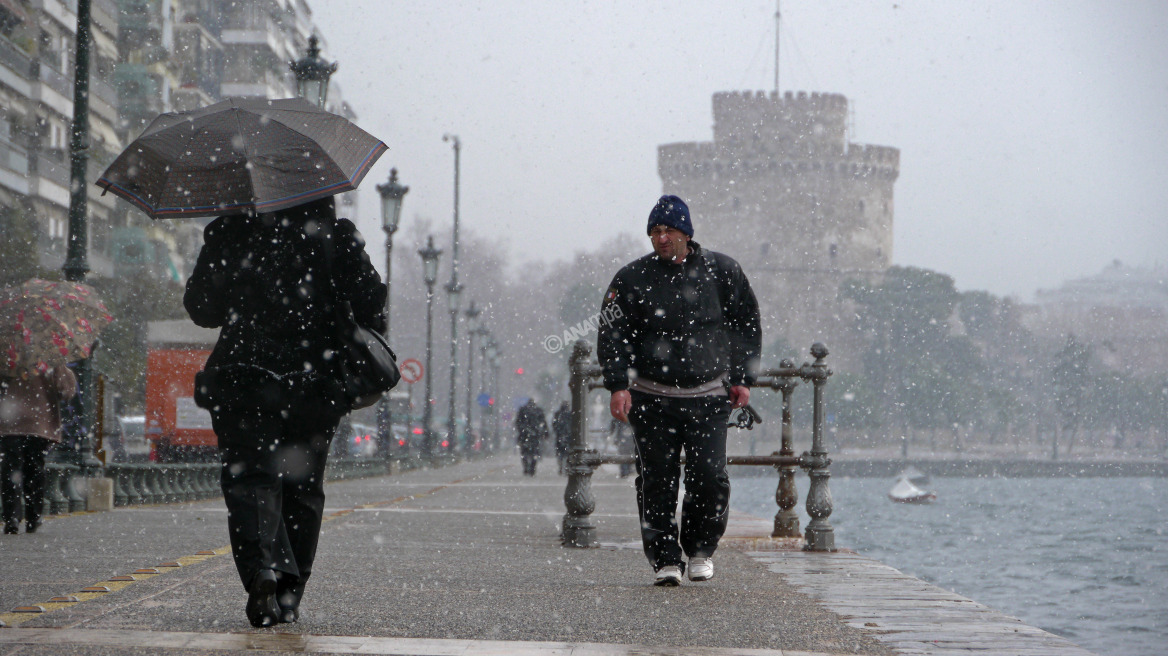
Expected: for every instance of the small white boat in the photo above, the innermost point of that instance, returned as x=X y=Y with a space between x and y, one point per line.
x=905 y=492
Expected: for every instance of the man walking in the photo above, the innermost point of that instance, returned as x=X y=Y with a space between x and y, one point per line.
x=679 y=355
x=530 y=431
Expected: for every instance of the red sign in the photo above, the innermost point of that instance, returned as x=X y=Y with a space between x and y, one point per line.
x=411 y=370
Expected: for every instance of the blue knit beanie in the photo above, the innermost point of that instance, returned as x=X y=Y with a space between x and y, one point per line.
x=670 y=211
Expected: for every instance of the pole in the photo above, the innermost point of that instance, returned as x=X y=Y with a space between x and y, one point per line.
x=451 y=432
x=470 y=356
x=385 y=429
x=76 y=259
x=428 y=410
x=820 y=535
x=777 y=15
x=453 y=288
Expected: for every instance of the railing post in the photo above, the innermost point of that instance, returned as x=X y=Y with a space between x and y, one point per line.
x=73 y=477
x=786 y=494
x=820 y=535
x=55 y=502
x=119 y=474
x=578 y=529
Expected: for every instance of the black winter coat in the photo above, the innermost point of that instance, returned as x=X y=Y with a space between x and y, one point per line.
x=530 y=427
x=264 y=281
x=679 y=324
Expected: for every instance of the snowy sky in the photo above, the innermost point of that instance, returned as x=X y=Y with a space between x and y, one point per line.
x=1033 y=135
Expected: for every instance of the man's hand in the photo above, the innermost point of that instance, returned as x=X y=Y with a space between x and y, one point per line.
x=620 y=404
x=739 y=396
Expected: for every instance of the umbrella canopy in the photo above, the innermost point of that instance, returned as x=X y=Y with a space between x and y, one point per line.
x=44 y=324
x=240 y=156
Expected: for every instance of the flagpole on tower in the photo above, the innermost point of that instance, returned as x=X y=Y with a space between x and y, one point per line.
x=777 y=13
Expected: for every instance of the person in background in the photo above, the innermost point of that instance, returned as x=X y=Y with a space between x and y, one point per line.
x=679 y=354
x=562 y=427
x=30 y=423
x=272 y=283
x=531 y=430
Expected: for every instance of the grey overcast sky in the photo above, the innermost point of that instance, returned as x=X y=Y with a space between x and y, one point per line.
x=1033 y=135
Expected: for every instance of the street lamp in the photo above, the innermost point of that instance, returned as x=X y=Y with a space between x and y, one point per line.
x=453 y=294
x=392 y=195
x=472 y=329
x=484 y=336
x=77 y=255
x=312 y=74
x=429 y=276
x=453 y=289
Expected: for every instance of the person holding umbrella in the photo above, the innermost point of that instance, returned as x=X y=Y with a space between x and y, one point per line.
x=43 y=326
x=274 y=268
x=30 y=423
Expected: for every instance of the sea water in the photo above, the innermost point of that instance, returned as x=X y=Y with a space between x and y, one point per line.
x=1083 y=558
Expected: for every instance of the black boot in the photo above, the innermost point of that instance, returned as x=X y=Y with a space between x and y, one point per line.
x=262 y=610
x=288 y=598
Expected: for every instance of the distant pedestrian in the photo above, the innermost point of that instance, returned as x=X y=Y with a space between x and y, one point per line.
x=531 y=430
x=272 y=282
x=562 y=428
x=30 y=422
x=688 y=326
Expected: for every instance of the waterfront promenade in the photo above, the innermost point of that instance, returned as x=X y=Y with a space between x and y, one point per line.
x=466 y=560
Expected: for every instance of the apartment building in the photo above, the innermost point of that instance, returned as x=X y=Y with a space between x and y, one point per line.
x=37 y=46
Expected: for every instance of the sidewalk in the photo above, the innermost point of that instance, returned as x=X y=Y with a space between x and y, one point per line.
x=463 y=559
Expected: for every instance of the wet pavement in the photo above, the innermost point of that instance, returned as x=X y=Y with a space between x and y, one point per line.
x=463 y=559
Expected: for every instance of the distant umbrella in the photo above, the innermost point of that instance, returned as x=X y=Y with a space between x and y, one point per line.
x=241 y=156
x=44 y=324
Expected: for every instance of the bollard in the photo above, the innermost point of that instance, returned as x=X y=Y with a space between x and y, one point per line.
x=786 y=494
x=578 y=528
x=820 y=535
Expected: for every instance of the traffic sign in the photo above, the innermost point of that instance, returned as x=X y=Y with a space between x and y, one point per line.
x=411 y=370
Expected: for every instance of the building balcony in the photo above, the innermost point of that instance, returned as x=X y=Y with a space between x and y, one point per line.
x=13 y=167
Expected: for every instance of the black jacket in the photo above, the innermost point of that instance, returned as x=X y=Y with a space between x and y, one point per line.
x=679 y=324
x=530 y=427
x=264 y=280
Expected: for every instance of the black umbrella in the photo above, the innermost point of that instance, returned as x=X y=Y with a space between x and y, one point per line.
x=241 y=155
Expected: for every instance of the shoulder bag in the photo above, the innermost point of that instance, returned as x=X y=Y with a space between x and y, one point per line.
x=366 y=366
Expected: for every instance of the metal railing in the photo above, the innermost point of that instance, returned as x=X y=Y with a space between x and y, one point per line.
x=578 y=528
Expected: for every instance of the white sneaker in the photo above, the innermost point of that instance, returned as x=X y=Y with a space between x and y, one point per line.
x=668 y=576
x=701 y=569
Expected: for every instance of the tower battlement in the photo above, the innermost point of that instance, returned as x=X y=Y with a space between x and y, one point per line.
x=793 y=122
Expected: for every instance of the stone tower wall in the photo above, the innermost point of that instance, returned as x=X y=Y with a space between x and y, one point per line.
x=782 y=191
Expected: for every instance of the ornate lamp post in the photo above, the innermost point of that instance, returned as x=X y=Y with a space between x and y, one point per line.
x=312 y=74
x=77 y=254
x=429 y=276
x=392 y=195
x=472 y=330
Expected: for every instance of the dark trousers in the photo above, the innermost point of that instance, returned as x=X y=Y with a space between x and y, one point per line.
x=273 y=484
x=22 y=477
x=664 y=427
x=530 y=458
